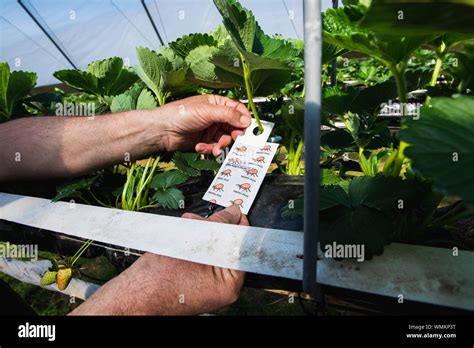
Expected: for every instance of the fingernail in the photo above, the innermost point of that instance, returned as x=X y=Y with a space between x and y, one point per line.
x=245 y=120
x=234 y=210
x=199 y=147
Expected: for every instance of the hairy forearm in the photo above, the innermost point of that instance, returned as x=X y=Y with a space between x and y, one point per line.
x=45 y=147
x=149 y=287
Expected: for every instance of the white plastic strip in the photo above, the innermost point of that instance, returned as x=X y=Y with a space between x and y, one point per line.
x=423 y=274
x=253 y=249
x=31 y=272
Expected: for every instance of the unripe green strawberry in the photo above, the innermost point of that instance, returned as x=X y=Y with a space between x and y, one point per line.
x=63 y=278
x=48 y=278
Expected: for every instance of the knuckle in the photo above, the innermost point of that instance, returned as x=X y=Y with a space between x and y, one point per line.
x=222 y=216
x=232 y=113
x=232 y=291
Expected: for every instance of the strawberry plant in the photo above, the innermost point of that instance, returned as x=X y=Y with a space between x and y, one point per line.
x=62 y=271
x=135 y=98
x=240 y=55
x=164 y=73
x=14 y=87
x=102 y=79
x=397 y=182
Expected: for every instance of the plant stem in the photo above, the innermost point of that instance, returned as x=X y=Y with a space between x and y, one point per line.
x=98 y=200
x=399 y=75
x=249 y=88
x=447 y=220
x=291 y=153
x=140 y=186
x=149 y=206
x=296 y=159
x=440 y=52
x=125 y=190
x=81 y=250
x=144 y=181
x=85 y=200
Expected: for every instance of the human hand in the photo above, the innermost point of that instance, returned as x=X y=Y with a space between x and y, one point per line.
x=205 y=123
x=160 y=285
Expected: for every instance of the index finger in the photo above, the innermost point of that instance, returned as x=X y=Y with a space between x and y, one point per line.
x=235 y=104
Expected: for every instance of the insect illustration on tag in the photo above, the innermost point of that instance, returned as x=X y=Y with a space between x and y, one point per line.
x=234 y=160
x=252 y=172
x=266 y=148
x=244 y=187
x=226 y=172
x=218 y=187
x=241 y=149
x=260 y=159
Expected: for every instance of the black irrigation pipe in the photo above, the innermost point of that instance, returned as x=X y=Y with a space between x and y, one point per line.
x=46 y=33
x=152 y=22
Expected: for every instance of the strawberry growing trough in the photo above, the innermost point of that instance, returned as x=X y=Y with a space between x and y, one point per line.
x=374 y=117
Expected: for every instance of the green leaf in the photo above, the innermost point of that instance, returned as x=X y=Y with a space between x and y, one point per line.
x=374 y=211
x=168 y=179
x=265 y=56
x=74 y=188
x=464 y=72
x=331 y=52
x=44 y=103
x=185 y=44
x=330 y=176
x=80 y=80
x=146 y=100
x=332 y=196
x=4 y=77
x=358 y=226
x=296 y=210
x=340 y=28
x=170 y=198
x=106 y=77
x=206 y=164
x=338 y=139
x=164 y=73
x=122 y=102
x=293 y=113
x=239 y=22
x=415 y=17
x=450 y=40
x=135 y=98
x=14 y=86
x=191 y=165
x=183 y=162
x=442 y=145
x=208 y=74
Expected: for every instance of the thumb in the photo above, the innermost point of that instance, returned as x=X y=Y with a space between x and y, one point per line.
x=230 y=215
x=227 y=115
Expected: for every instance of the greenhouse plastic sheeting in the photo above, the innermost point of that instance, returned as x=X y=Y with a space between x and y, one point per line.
x=87 y=30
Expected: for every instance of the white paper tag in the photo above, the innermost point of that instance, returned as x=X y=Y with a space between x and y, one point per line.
x=241 y=174
x=251 y=139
